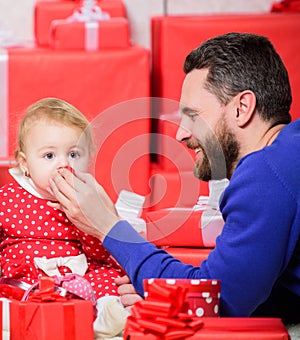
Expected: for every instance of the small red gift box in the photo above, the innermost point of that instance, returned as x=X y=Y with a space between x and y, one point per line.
x=89 y=36
x=171 y=308
x=202 y=297
x=47 y=11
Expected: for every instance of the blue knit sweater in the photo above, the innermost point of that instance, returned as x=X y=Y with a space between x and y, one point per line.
x=260 y=242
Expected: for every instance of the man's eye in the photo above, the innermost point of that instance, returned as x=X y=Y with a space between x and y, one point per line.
x=49 y=155
x=74 y=154
x=193 y=117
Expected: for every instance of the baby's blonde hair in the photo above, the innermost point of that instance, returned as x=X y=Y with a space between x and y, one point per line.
x=55 y=110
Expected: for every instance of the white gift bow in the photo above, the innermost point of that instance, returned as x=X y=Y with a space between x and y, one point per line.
x=89 y=12
x=129 y=206
x=77 y=264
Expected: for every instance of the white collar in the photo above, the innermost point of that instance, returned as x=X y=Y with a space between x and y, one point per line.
x=27 y=183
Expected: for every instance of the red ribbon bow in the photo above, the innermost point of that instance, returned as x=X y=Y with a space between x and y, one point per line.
x=46 y=292
x=161 y=316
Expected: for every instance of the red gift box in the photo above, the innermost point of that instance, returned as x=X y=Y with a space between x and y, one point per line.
x=92 y=36
x=173 y=37
x=46 y=11
x=175 y=188
x=118 y=108
x=286 y=6
x=189 y=255
x=242 y=329
x=172 y=307
x=72 y=319
x=202 y=298
x=227 y=328
x=183 y=227
x=47 y=312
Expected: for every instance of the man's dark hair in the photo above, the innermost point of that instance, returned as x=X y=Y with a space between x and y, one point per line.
x=243 y=61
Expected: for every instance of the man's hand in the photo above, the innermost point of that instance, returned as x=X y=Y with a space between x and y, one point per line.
x=127 y=292
x=84 y=201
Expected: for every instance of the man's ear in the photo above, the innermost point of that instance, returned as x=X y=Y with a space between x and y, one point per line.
x=245 y=105
x=21 y=159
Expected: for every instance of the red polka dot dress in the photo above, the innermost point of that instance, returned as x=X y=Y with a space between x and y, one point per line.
x=30 y=229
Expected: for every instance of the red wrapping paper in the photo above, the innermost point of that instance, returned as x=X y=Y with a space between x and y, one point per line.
x=182 y=227
x=173 y=37
x=47 y=11
x=113 y=33
x=90 y=82
x=189 y=255
x=174 y=227
x=227 y=329
x=171 y=189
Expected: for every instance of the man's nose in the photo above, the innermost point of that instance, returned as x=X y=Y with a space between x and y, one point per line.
x=183 y=133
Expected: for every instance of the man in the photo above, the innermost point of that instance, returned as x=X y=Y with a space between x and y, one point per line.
x=235 y=106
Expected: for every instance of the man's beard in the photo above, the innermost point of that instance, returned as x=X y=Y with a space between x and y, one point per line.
x=220 y=154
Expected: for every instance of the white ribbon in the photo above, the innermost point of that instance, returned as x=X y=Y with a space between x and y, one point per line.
x=129 y=206
x=3 y=103
x=77 y=264
x=91 y=36
x=212 y=221
x=5 y=319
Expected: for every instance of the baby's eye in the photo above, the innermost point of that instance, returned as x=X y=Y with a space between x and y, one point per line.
x=74 y=154
x=49 y=155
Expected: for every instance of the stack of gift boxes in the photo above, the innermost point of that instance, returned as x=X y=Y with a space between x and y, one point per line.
x=83 y=54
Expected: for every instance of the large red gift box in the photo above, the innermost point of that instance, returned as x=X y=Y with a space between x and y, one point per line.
x=47 y=11
x=92 y=36
x=183 y=227
x=227 y=328
x=52 y=320
x=173 y=37
x=113 y=102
